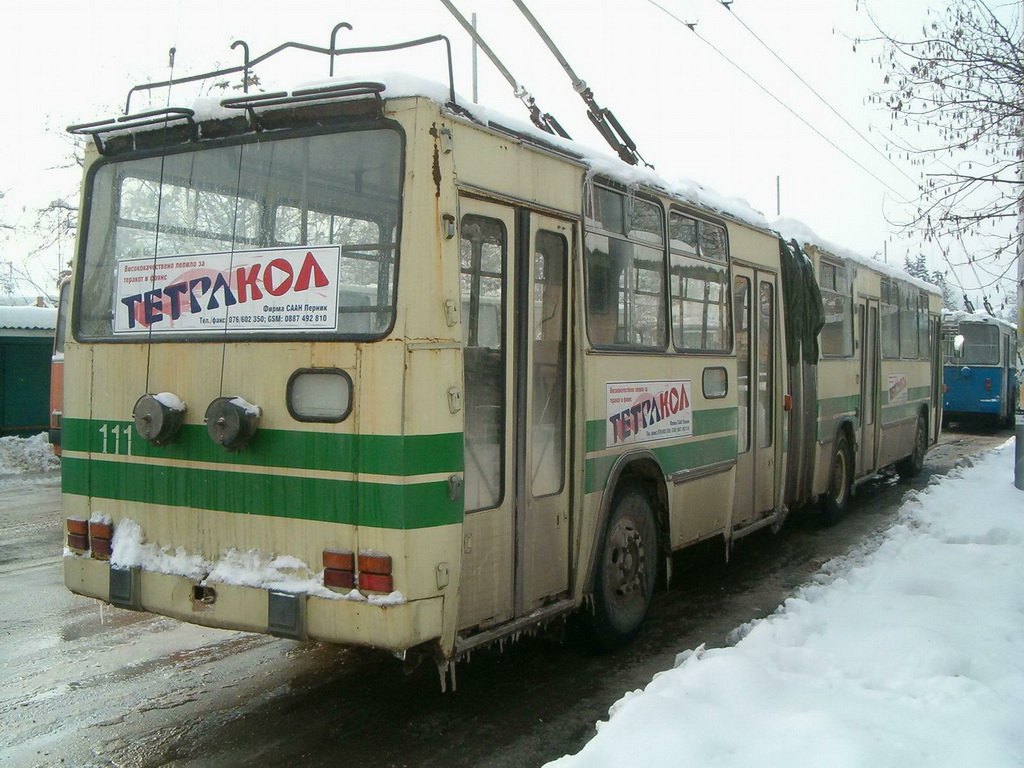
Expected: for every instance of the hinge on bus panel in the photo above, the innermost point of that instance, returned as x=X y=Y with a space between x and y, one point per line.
x=451 y=312
x=454 y=399
x=447 y=140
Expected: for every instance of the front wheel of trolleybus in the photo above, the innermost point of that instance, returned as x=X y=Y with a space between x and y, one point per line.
x=837 y=497
x=626 y=570
x=912 y=465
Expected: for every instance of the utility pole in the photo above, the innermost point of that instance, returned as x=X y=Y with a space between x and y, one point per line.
x=1018 y=467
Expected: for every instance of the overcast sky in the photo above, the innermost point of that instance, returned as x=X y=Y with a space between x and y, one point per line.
x=691 y=113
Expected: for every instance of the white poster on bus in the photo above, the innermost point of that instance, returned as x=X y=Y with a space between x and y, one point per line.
x=899 y=387
x=279 y=289
x=645 y=411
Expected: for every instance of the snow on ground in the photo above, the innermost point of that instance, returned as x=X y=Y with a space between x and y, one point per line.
x=908 y=653
x=26 y=459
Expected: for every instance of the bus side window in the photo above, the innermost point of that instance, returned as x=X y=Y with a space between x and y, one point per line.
x=483 y=251
x=741 y=310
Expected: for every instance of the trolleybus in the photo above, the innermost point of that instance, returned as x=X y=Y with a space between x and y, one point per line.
x=979 y=368
x=355 y=364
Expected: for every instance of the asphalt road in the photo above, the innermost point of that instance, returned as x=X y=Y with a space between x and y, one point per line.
x=82 y=685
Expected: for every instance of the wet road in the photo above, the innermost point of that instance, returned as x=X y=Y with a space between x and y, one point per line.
x=85 y=686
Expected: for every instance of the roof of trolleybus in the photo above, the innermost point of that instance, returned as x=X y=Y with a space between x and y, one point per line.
x=598 y=162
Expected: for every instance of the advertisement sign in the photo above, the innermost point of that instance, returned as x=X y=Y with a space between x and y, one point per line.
x=645 y=411
x=899 y=386
x=279 y=289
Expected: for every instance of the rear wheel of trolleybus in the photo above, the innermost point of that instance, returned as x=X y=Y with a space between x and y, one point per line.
x=626 y=570
x=912 y=465
x=840 y=480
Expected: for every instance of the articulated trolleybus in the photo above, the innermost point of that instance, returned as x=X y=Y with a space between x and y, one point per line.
x=351 y=364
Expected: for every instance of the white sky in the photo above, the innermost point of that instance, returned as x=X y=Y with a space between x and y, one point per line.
x=691 y=114
x=908 y=655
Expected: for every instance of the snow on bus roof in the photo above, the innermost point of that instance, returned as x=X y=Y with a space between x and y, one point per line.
x=960 y=316
x=792 y=229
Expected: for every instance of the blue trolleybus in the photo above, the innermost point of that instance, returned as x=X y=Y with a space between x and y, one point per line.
x=979 y=369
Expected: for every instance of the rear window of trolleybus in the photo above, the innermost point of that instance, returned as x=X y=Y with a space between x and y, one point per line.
x=276 y=237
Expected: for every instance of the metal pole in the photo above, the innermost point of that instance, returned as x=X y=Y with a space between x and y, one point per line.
x=476 y=92
x=1018 y=467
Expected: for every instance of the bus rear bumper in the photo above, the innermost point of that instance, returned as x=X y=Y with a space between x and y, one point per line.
x=393 y=626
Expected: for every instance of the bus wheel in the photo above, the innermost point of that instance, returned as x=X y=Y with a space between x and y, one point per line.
x=912 y=465
x=840 y=478
x=626 y=571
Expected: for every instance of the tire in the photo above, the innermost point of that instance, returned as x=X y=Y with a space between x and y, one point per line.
x=836 y=498
x=626 y=570
x=912 y=465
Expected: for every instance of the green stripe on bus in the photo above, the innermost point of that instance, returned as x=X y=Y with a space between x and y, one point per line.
x=830 y=407
x=370 y=454
x=420 y=505
x=705 y=422
x=673 y=458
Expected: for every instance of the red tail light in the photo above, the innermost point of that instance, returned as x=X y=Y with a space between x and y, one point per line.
x=988 y=385
x=101 y=537
x=78 y=534
x=339 y=569
x=375 y=572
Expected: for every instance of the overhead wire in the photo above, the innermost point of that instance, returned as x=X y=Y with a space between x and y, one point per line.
x=820 y=98
x=798 y=116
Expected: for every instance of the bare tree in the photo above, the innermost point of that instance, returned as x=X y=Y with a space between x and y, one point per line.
x=956 y=89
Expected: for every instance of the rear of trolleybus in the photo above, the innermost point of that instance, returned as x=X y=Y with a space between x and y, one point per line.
x=253 y=437
x=980 y=381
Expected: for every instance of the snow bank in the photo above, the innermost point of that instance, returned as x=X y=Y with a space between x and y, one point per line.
x=22 y=456
x=909 y=655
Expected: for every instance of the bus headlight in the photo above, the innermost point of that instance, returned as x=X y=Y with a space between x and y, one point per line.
x=158 y=417
x=231 y=422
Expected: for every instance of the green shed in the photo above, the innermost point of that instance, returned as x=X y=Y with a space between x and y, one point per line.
x=26 y=349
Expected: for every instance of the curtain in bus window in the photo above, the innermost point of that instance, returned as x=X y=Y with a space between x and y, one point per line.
x=340 y=189
x=551 y=254
x=765 y=369
x=483 y=252
x=741 y=305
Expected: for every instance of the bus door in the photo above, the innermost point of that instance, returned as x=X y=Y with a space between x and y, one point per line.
x=869 y=389
x=515 y=294
x=755 y=305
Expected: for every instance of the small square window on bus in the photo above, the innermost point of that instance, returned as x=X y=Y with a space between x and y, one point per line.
x=715 y=382
x=682 y=234
x=606 y=210
x=645 y=222
x=712 y=241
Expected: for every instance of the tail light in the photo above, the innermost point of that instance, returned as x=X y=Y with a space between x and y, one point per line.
x=78 y=534
x=339 y=569
x=375 y=572
x=101 y=539
x=988 y=385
